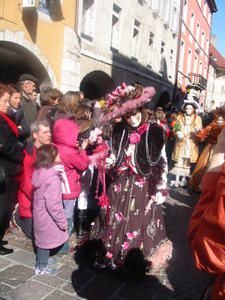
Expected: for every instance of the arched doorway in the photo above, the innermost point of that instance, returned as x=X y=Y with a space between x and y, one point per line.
x=96 y=85
x=16 y=60
x=164 y=99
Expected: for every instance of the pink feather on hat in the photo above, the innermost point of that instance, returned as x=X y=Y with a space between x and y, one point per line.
x=128 y=105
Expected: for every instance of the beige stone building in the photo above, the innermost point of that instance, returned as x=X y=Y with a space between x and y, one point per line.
x=39 y=37
x=130 y=41
x=216 y=80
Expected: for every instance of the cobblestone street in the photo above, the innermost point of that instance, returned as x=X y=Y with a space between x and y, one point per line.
x=180 y=280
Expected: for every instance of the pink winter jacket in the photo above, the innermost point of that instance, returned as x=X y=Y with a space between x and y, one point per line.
x=65 y=133
x=48 y=214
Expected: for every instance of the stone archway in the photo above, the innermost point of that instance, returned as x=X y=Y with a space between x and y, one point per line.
x=18 y=56
x=164 y=99
x=96 y=85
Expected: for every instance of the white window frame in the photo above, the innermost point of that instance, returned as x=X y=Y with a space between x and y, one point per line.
x=88 y=21
x=116 y=28
x=175 y=19
x=189 y=61
x=200 y=67
x=195 y=64
x=198 y=33
x=150 y=48
x=166 y=12
x=185 y=11
x=203 y=40
x=192 y=22
x=136 y=39
x=182 y=50
x=172 y=65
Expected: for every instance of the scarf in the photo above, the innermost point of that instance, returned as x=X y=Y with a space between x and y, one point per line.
x=10 y=123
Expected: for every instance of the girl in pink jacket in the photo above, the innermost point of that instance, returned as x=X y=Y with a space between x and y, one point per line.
x=74 y=160
x=50 y=224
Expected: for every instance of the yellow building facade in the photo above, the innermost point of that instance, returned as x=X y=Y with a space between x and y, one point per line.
x=40 y=40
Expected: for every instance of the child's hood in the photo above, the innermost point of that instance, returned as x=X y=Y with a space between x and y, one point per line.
x=65 y=132
x=42 y=175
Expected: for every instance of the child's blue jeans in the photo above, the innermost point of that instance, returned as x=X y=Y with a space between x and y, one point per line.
x=42 y=257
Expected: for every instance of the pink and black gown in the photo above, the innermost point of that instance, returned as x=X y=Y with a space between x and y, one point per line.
x=137 y=188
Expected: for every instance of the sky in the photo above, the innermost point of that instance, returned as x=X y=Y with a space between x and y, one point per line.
x=218 y=26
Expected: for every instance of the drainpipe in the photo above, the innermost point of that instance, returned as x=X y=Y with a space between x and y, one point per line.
x=178 y=50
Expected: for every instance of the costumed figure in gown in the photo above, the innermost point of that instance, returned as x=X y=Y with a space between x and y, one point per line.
x=208 y=135
x=207 y=227
x=138 y=182
x=186 y=150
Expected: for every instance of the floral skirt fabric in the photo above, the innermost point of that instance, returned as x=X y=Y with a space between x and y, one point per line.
x=135 y=221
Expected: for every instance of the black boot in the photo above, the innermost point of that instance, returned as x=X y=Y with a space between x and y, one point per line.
x=82 y=228
x=5 y=251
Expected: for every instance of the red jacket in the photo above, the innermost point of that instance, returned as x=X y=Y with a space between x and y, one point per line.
x=65 y=133
x=25 y=192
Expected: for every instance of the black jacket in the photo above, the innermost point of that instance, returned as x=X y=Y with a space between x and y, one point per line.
x=147 y=152
x=18 y=117
x=11 y=150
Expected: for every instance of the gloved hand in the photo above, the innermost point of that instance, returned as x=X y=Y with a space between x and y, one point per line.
x=180 y=135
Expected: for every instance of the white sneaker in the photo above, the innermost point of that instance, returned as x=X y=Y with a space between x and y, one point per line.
x=46 y=271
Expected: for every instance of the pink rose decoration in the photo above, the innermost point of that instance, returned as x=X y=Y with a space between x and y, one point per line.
x=135 y=138
x=131 y=235
x=109 y=255
x=117 y=188
x=119 y=217
x=140 y=182
x=158 y=223
x=125 y=245
x=103 y=201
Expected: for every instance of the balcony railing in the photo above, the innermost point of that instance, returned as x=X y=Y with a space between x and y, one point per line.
x=198 y=81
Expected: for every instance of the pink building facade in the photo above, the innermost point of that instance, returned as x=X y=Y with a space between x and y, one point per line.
x=194 y=47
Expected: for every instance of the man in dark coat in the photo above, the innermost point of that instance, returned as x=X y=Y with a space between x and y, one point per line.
x=27 y=85
x=11 y=158
x=16 y=113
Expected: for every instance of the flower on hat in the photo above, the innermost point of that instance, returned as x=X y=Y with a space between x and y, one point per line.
x=126 y=98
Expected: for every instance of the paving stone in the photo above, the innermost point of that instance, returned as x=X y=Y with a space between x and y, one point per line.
x=5 y=292
x=100 y=287
x=68 y=288
x=4 y=263
x=23 y=257
x=180 y=279
x=68 y=260
x=53 y=281
x=132 y=292
x=31 y=290
x=15 y=275
x=162 y=297
x=65 y=273
x=81 y=276
x=61 y=296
